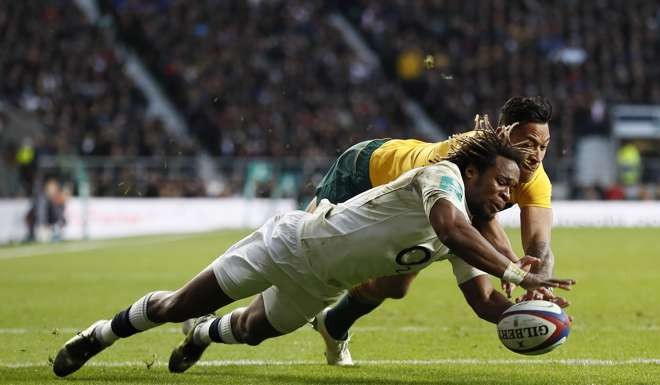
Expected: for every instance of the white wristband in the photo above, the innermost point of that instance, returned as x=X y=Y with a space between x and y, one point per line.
x=514 y=274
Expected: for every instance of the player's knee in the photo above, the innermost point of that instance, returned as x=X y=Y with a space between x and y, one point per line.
x=393 y=287
x=396 y=292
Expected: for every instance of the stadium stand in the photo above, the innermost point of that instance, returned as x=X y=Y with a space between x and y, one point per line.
x=262 y=78
x=269 y=80
x=489 y=50
x=64 y=71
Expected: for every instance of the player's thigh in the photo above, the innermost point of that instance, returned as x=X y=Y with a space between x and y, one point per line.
x=287 y=309
x=243 y=270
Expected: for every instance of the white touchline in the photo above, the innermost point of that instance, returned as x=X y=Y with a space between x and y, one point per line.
x=459 y=361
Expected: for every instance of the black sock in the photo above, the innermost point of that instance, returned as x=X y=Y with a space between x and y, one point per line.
x=343 y=315
x=214 y=330
x=121 y=326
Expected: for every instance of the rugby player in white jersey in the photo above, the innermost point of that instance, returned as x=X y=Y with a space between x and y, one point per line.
x=397 y=228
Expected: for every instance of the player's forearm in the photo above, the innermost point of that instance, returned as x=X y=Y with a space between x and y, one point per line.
x=466 y=243
x=536 y=228
x=454 y=230
x=494 y=233
x=541 y=250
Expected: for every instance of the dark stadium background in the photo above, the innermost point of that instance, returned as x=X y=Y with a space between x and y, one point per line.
x=167 y=98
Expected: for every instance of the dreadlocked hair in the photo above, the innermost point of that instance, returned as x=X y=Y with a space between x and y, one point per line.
x=523 y=110
x=483 y=148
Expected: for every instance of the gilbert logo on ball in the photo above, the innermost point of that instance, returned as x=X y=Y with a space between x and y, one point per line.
x=533 y=327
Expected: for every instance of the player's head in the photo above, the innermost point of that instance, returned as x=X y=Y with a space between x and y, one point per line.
x=532 y=133
x=490 y=168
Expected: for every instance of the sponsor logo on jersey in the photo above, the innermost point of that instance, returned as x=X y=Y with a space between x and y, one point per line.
x=452 y=187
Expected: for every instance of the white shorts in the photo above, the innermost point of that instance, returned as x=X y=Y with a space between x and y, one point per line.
x=247 y=268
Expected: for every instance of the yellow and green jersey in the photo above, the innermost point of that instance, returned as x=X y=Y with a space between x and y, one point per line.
x=396 y=156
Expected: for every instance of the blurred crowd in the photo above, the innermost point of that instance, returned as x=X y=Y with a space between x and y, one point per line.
x=65 y=71
x=582 y=55
x=274 y=78
x=262 y=78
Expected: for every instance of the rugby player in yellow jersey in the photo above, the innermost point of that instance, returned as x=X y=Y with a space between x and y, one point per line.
x=376 y=162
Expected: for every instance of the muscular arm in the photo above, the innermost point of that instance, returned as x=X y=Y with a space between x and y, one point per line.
x=536 y=228
x=494 y=233
x=486 y=302
x=464 y=240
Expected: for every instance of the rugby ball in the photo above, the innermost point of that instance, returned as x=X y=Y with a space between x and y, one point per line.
x=533 y=327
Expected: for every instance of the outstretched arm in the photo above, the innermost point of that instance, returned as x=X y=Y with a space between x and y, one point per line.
x=493 y=232
x=536 y=228
x=464 y=240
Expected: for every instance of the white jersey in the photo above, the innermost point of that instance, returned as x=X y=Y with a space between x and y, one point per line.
x=381 y=232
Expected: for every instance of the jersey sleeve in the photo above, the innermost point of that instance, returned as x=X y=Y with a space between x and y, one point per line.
x=463 y=271
x=441 y=181
x=537 y=192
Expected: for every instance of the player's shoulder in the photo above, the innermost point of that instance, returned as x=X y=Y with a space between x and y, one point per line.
x=539 y=178
x=443 y=167
x=439 y=174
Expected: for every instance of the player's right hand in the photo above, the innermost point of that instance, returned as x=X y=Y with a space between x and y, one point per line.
x=533 y=281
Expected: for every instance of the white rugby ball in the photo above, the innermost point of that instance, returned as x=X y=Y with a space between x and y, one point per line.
x=533 y=327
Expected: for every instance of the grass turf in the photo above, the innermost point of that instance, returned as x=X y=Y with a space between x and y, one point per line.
x=50 y=291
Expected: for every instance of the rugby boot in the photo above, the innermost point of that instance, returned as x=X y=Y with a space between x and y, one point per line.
x=187 y=353
x=336 y=351
x=76 y=351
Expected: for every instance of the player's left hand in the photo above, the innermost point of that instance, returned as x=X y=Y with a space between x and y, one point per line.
x=545 y=294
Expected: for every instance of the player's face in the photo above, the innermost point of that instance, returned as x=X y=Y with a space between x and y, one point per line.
x=489 y=191
x=535 y=138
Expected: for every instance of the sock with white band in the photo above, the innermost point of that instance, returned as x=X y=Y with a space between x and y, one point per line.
x=226 y=334
x=127 y=322
x=137 y=315
x=216 y=330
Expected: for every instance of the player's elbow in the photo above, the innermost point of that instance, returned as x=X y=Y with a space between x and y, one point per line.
x=479 y=296
x=483 y=311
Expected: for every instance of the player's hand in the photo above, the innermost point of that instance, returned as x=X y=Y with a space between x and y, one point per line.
x=545 y=294
x=524 y=263
x=507 y=288
x=533 y=281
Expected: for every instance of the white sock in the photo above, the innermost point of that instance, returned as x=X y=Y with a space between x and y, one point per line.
x=105 y=334
x=222 y=325
x=201 y=335
x=226 y=334
x=137 y=315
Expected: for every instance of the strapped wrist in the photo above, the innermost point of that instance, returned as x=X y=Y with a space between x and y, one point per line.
x=514 y=274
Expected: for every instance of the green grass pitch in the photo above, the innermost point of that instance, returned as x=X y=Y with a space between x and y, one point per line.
x=48 y=292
